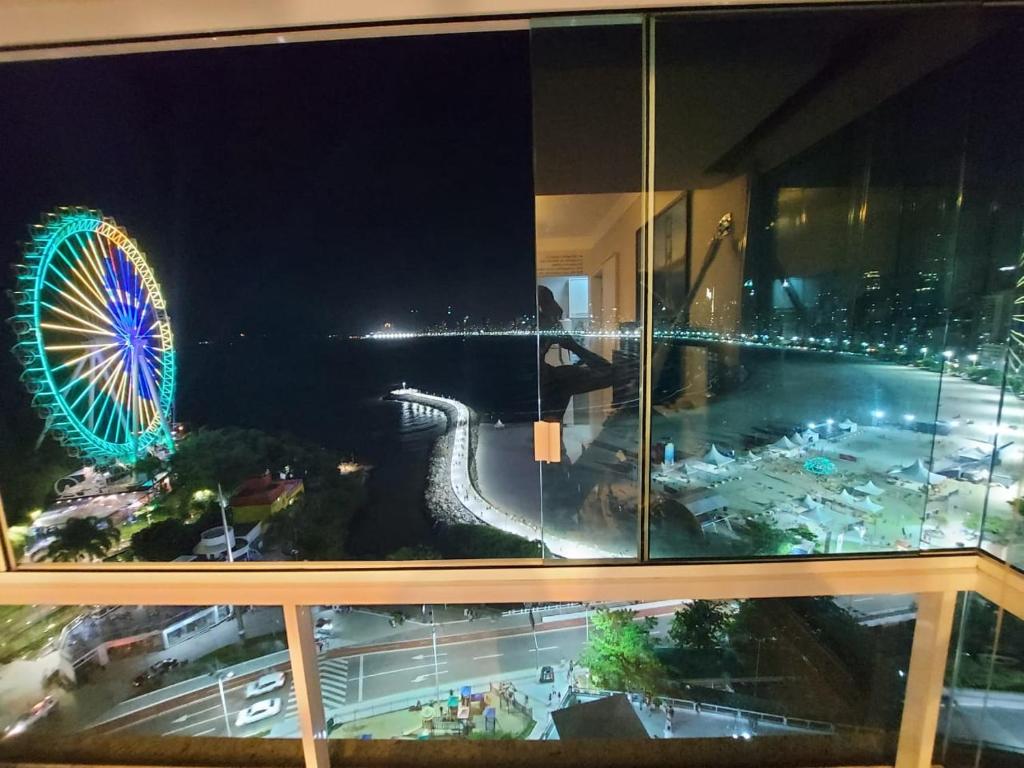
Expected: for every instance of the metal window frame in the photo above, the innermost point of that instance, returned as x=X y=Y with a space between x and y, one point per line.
x=50 y=29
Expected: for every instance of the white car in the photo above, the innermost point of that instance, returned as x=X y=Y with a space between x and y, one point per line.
x=38 y=712
x=261 y=710
x=265 y=684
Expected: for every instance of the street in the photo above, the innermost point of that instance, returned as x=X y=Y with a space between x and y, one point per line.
x=379 y=676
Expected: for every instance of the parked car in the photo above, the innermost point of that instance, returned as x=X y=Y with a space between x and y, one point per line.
x=146 y=677
x=38 y=711
x=325 y=624
x=261 y=710
x=265 y=684
x=547 y=674
x=164 y=665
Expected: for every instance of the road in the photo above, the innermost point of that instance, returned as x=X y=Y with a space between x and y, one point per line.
x=382 y=675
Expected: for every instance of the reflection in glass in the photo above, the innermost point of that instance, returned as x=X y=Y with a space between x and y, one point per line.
x=980 y=718
x=747 y=669
x=138 y=671
x=832 y=290
x=587 y=83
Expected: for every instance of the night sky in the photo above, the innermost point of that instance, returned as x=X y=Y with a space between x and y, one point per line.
x=314 y=188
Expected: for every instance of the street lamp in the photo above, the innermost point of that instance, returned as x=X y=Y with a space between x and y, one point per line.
x=221 y=677
x=230 y=544
x=437 y=674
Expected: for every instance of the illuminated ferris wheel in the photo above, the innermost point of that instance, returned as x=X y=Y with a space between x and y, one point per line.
x=1016 y=356
x=94 y=338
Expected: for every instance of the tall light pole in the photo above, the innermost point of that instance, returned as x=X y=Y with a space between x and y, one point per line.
x=229 y=541
x=437 y=674
x=221 y=677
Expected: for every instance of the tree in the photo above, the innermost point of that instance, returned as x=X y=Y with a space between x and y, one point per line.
x=82 y=538
x=415 y=552
x=465 y=540
x=701 y=625
x=165 y=540
x=620 y=653
x=762 y=538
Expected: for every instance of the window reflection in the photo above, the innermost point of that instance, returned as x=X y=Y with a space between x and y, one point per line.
x=832 y=291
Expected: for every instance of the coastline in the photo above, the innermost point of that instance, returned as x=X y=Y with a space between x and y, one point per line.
x=453 y=496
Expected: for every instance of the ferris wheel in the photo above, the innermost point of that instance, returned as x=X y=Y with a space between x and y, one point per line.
x=94 y=338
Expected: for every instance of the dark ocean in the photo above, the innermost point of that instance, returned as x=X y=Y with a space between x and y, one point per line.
x=331 y=392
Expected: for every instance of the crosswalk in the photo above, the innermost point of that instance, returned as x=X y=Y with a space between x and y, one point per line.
x=333 y=683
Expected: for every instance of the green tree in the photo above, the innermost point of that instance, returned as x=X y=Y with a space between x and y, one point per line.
x=465 y=540
x=165 y=540
x=82 y=538
x=620 y=653
x=702 y=625
x=762 y=538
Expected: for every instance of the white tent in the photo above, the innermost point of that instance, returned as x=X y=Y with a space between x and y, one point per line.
x=848 y=498
x=717 y=458
x=849 y=426
x=798 y=439
x=917 y=472
x=811 y=503
x=868 y=505
x=974 y=453
x=869 y=488
x=829 y=518
x=783 y=444
x=810 y=436
x=751 y=456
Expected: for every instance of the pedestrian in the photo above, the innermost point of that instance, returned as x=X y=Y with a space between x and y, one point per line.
x=526 y=699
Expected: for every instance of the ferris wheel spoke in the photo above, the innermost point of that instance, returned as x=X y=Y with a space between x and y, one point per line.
x=74 y=329
x=78 y=266
x=83 y=301
x=91 y=258
x=79 y=358
x=76 y=318
x=119 y=407
x=90 y=377
x=104 y=396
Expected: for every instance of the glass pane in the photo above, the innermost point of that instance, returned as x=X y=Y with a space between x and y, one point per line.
x=980 y=719
x=306 y=234
x=833 y=279
x=744 y=670
x=588 y=161
x=134 y=672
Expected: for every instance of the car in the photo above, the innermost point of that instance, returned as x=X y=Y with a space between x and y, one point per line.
x=39 y=710
x=261 y=710
x=547 y=674
x=325 y=624
x=164 y=665
x=264 y=684
x=321 y=634
x=146 y=677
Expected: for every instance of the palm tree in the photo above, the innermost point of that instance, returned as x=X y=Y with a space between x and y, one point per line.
x=82 y=538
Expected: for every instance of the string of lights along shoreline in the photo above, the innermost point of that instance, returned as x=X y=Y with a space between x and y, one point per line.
x=94 y=338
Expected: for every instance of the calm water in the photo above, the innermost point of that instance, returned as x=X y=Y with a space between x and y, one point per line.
x=331 y=392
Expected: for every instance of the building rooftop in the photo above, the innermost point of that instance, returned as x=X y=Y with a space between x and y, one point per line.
x=612 y=717
x=257 y=491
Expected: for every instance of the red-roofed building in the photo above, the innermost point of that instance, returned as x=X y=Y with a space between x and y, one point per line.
x=259 y=497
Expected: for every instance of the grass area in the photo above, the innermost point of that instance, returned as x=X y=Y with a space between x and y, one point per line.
x=244 y=651
x=25 y=629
